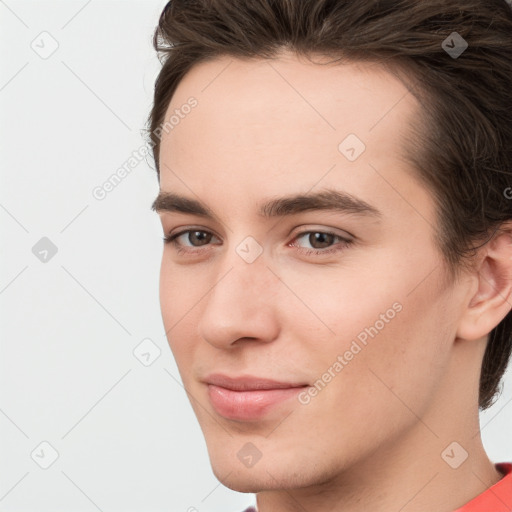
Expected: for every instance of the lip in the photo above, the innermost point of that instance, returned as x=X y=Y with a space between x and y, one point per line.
x=248 y=398
x=249 y=382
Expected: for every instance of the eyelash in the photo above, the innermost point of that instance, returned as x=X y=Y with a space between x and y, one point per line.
x=171 y=239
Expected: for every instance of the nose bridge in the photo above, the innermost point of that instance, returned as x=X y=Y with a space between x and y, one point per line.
x=243 y=276
x=240 y=302
x=245 y=264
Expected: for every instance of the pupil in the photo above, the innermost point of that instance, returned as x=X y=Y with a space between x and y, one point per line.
x=320 y=237
x=202 y=236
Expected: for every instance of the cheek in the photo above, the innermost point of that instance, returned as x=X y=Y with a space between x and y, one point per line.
x=391 y=347
x=178 y=296
x=181 y=289
x=337 y=304
x=382 y=303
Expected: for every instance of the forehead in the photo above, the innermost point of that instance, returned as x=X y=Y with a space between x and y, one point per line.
x=263 y=126
x=291 y=97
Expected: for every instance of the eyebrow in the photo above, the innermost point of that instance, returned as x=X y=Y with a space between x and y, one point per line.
x=333 y=200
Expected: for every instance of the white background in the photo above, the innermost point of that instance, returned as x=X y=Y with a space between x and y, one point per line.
x=125 y=433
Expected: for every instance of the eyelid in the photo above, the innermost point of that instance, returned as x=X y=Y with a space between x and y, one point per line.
x=171 y=237
x=308 y=228
x=309 y=231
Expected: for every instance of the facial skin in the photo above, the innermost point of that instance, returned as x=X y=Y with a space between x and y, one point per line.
x=373 y=437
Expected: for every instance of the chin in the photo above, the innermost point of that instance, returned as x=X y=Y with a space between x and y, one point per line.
x=250 y=480
x=230 y=468
x=245 y=483
x=268 y=473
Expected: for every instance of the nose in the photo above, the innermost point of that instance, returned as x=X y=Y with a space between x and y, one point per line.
x=241 y=304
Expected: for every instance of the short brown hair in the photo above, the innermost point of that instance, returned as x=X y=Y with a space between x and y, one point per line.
x=461 y=148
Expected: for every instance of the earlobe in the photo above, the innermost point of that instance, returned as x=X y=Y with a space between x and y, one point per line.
x=492 y=300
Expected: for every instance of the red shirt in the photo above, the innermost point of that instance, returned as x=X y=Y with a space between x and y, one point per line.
x=497 y=498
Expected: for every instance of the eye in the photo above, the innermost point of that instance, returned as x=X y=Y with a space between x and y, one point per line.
x=190 y=241
x=196 y=238
x=321 y=242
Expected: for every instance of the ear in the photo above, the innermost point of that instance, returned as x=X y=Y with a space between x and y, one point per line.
x=492 y=279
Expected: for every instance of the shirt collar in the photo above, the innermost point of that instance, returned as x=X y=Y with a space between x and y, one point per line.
x=497 y=498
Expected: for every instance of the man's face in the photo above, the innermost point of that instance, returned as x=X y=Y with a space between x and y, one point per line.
x=349 y=303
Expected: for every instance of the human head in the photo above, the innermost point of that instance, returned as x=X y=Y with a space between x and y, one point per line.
x=453 y=135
